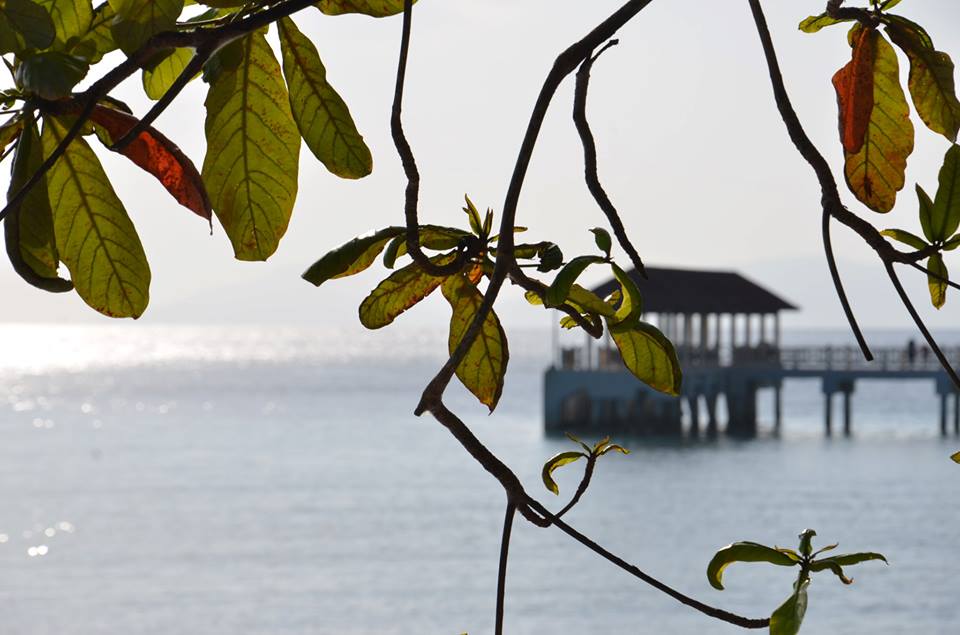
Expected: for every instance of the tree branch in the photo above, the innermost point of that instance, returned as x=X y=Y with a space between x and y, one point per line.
x=502 y=571
x=412 y=194
x=582 y=488
x=934 y=275
x=706 y=609
x=590 y=159
x=895 y=279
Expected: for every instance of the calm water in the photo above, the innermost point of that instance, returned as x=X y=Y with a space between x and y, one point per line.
x=181 y=480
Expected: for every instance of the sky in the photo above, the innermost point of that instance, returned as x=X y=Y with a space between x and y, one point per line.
x=691 y=150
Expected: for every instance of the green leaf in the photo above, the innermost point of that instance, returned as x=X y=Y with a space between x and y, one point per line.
x=952 y=243
x=806 y=539
x=10 y=40
x=786 y=620
x=905 y=237
x=555 y=462
x=485 y=364
x=931 y=80
x=588 y=302
x=560 y=287
x=790 y=553
x=373 y=8
x=51 y=74
x=602 y=238
x=28 y=228
x=649 y=355
x=926 y=213
x=32 y=21
x=875 y=173
x=159 y=76
x=889 y=4
x=321 y=115
x=836 y=563
x=351 y=257
x=71 y=19
x=743 y=552
x=937 y=280
x=400 y=291
x=434 y=237
x=137 y=20
x=10 y=130
x=631 y=306
x=576 y=440
x=95 y=238
x=613 y=447
x=814 y=23
x=253 y=150
x=98 y=40
x=474 y=215
x=550 y=258
x=945 y=213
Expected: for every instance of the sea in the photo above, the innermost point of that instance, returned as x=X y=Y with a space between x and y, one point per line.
x=247 y=480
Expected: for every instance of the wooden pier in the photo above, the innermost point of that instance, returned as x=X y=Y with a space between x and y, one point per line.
x=727 y=333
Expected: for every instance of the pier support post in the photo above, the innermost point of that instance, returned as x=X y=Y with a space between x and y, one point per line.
x=956 y=413
x=711 y=415
x=846 y=413
x=777 y=409
x=694 y=402
x=828 y=413
x=943 y=414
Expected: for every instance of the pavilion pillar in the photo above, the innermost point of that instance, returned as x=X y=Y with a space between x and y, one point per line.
x=763 y=328
x=747 y=343
x=703 y=334
x=776 y=330
x=716 y=337
x=688 y=331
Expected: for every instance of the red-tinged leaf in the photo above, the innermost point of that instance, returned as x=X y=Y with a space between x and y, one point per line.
x=854 y=86
x=876 y=172
x=160 y=157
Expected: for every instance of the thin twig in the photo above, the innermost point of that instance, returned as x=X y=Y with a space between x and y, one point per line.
x=582 y=488
x=590 y=160
x=838 y=287
x=412 y=193
x=706 y=609
x=935 y=275
x=502 y=571
x=895 y=279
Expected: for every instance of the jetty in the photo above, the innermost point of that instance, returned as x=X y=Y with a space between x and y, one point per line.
x=727 y=332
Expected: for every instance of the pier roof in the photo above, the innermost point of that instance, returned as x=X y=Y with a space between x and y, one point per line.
x=696 y=291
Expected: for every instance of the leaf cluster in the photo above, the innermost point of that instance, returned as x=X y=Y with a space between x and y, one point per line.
x=257 y=114
x=788 y=617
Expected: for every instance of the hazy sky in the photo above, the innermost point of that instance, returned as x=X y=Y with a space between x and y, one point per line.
x=691 y=150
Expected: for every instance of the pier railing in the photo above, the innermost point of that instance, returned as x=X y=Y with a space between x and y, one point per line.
x=805 y=358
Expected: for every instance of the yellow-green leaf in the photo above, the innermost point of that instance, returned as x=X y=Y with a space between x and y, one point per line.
x=937 y=280
x=945 y=213
x=98 y=40
x=743 y=552
x=554 y=462
x=158 y=77
x=28 y=228
x=32 y=22
x=374 y=8
x=814 y=23
x=905 y=237
x=95 y=237
x=253 y=150
x=631 y=306
x=351 y=257
x=875 y=173
x=649 y=355
x=485 y=364
x=397 y=293
x=955 y=457
x=71 y=19
x=137 y=20
x=321 y=115
x=931 y=79
x=786 y=620
x=926 y=214
x=559 y=289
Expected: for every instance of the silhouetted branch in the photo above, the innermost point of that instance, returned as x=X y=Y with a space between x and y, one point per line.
x=706 y=609
x=502 y=571
x=590 y=159
x=920 y=324
x=412 y=194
